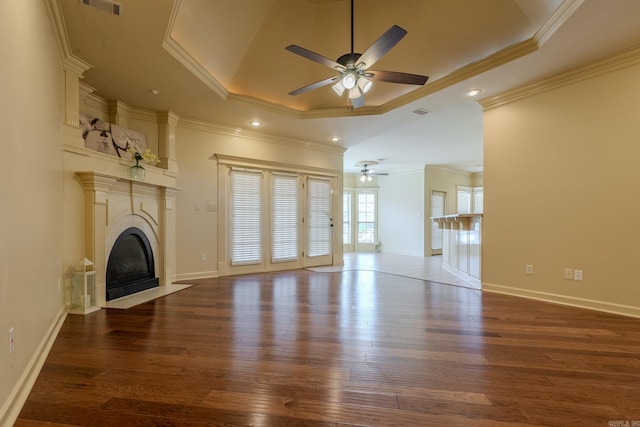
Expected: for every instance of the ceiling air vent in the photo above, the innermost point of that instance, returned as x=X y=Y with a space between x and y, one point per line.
x=105 y=5
x=421 y=112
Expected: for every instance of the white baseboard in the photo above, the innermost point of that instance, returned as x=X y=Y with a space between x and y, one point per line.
x=196 y=275
x=11 y=408
x=462 y=275
x=607 y=307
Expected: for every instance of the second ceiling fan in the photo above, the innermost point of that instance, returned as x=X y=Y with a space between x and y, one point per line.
x=353 y=70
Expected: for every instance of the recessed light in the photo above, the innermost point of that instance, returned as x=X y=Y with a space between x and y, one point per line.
x=255 y=123
x=154 y=91
x=335 y=139
x=473 y=92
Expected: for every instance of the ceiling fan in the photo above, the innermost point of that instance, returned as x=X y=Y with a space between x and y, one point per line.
x=367 y=174
x=353 y=70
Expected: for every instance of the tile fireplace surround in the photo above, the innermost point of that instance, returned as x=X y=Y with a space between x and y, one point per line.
x=114 y=203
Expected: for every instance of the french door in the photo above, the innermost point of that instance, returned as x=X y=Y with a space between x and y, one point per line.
x=319 y=222
x=279 y=220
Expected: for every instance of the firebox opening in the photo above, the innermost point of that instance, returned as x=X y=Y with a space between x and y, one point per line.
x=130 y=268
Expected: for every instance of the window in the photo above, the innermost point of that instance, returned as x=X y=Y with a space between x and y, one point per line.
x=470 y=200
x=246 y=217
x=477 y=193
x=346 y=218
x=464 y=200
x=319 y=221
x=284 y=199
x=366 y=217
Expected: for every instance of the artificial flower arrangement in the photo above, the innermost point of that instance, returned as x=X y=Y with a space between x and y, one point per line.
x=146 y=156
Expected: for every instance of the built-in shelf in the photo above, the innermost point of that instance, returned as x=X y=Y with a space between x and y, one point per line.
x=457 y=221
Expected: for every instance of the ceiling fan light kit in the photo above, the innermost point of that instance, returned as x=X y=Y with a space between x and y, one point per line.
x=364 y=84
x=353 y=68
x=338 y=88
x=349 y=79
x=366 y=174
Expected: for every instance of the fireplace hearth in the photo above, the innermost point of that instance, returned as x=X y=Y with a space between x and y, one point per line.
x=130 y=268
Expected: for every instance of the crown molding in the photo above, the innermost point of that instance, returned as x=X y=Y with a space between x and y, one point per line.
x=265 y=105
x=494 y=60
x=85 y=90
x=182 y=56
x=96 y=102
x=120 y=107
x=557 y=20
x=608 y=64
x=71 y=62
x=245 y=162
x=447 y=170
x=256 y=136
x=322 y=113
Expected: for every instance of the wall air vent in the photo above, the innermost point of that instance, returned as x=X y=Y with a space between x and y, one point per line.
x=421 y=112
x=105 y=5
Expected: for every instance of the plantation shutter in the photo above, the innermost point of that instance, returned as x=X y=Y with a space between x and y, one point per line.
x=478 y=199
x=246 y=217
x=464 y=200
x=319 y=221
x=284 y=199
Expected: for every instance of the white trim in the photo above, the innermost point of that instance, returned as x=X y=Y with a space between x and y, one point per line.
x=71 y=62
x=234 y=162
x=559 y=17
x=607 y=307
x=196 y=275
x=608 y=64
x=18 y=396
x=183 y=57
x=461 y=275
x=203 y=126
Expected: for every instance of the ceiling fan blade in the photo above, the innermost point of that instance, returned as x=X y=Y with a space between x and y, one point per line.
x=314 y=57
x=396 y=77
x=358 y=102
x=381 y=46
x=315 y=85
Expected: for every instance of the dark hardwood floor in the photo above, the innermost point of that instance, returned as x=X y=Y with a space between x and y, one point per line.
x=339 y=349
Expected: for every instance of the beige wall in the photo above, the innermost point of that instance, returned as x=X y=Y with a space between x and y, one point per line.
x=31 y=192
x=561 y=191
x=401 y=213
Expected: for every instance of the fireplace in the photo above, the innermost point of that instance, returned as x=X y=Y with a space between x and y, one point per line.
x=131 y=267
x=128 y=221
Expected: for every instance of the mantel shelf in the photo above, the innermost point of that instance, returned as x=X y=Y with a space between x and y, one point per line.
x=457 y=221
x=107 y=180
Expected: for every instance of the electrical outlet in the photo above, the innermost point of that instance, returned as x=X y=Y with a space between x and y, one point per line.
x=568 y=274
x=12 y=342
x=528 y=269
x=203 y=257
x=577 y=275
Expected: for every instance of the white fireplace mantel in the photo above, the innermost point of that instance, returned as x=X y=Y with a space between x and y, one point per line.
x=114 y=203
